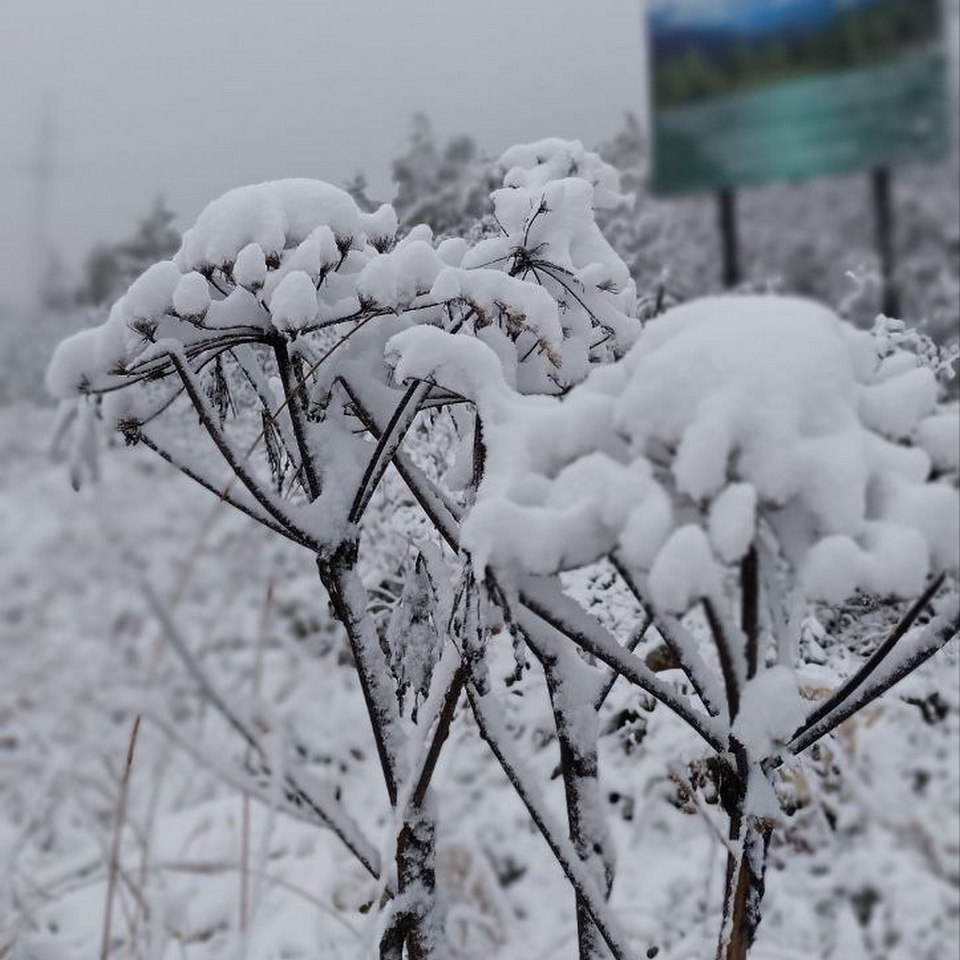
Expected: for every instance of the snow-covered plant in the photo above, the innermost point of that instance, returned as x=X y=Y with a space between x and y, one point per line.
x=749 y=453
x=289 y=292
x=733 y=459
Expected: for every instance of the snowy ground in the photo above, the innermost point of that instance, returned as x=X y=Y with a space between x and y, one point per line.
x=871 y=868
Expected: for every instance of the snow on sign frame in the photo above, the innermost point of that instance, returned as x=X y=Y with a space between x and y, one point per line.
x=749 y=91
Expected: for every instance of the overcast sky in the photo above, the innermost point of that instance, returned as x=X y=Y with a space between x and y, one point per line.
x=192 y=97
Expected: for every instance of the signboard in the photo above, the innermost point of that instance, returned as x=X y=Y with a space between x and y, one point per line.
x=748 y=91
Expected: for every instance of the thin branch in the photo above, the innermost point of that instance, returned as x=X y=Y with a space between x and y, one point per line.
x=247 y=362
x=396 y=429
x=548 y=268
x=221 y=493
x=728 y=666
x=440 y=734
x=678 y=640
x=387 y=445
x=612 y=674
x=567 y=617
x=442 y=513
x=236 y=463
x=933 y=637
x=583 y=883
x=293 y=399
x=750 y=608
x=876 y=658
x=121 y=817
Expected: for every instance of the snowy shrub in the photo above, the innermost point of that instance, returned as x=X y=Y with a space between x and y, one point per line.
x=732 y=459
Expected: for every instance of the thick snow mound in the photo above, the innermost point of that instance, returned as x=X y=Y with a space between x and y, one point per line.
x=274 y=215
x=533 y=165
x=729 y=411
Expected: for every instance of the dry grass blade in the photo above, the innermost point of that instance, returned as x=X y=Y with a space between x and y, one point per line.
x=121 y=817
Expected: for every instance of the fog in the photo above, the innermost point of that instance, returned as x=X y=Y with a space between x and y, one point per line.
x=106 y=104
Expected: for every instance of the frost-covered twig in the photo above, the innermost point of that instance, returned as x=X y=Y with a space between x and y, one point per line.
x=444 y=514
x=731 y=664
x=218 y=490
x=634 y=641
x=551 y=605
x=294 y=400
x=387 y=445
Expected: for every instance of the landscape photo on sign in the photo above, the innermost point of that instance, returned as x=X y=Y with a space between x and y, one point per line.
x=749 y=91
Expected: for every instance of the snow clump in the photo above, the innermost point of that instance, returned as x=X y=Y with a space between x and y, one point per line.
x=728 y=412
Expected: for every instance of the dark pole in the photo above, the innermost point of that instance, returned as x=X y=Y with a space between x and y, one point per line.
x=727 y=221
x=881 y=181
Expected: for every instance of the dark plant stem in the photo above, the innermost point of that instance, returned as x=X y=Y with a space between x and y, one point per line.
x=447 y=712
x=750 y=608
x=340 y=580
x=295 y=398
x=413 y=930
x=746 y=861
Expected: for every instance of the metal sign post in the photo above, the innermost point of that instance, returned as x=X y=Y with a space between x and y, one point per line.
x=882 y=184
x=727 y=222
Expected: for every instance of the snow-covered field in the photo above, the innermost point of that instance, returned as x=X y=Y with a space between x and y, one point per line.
x=868 y=866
